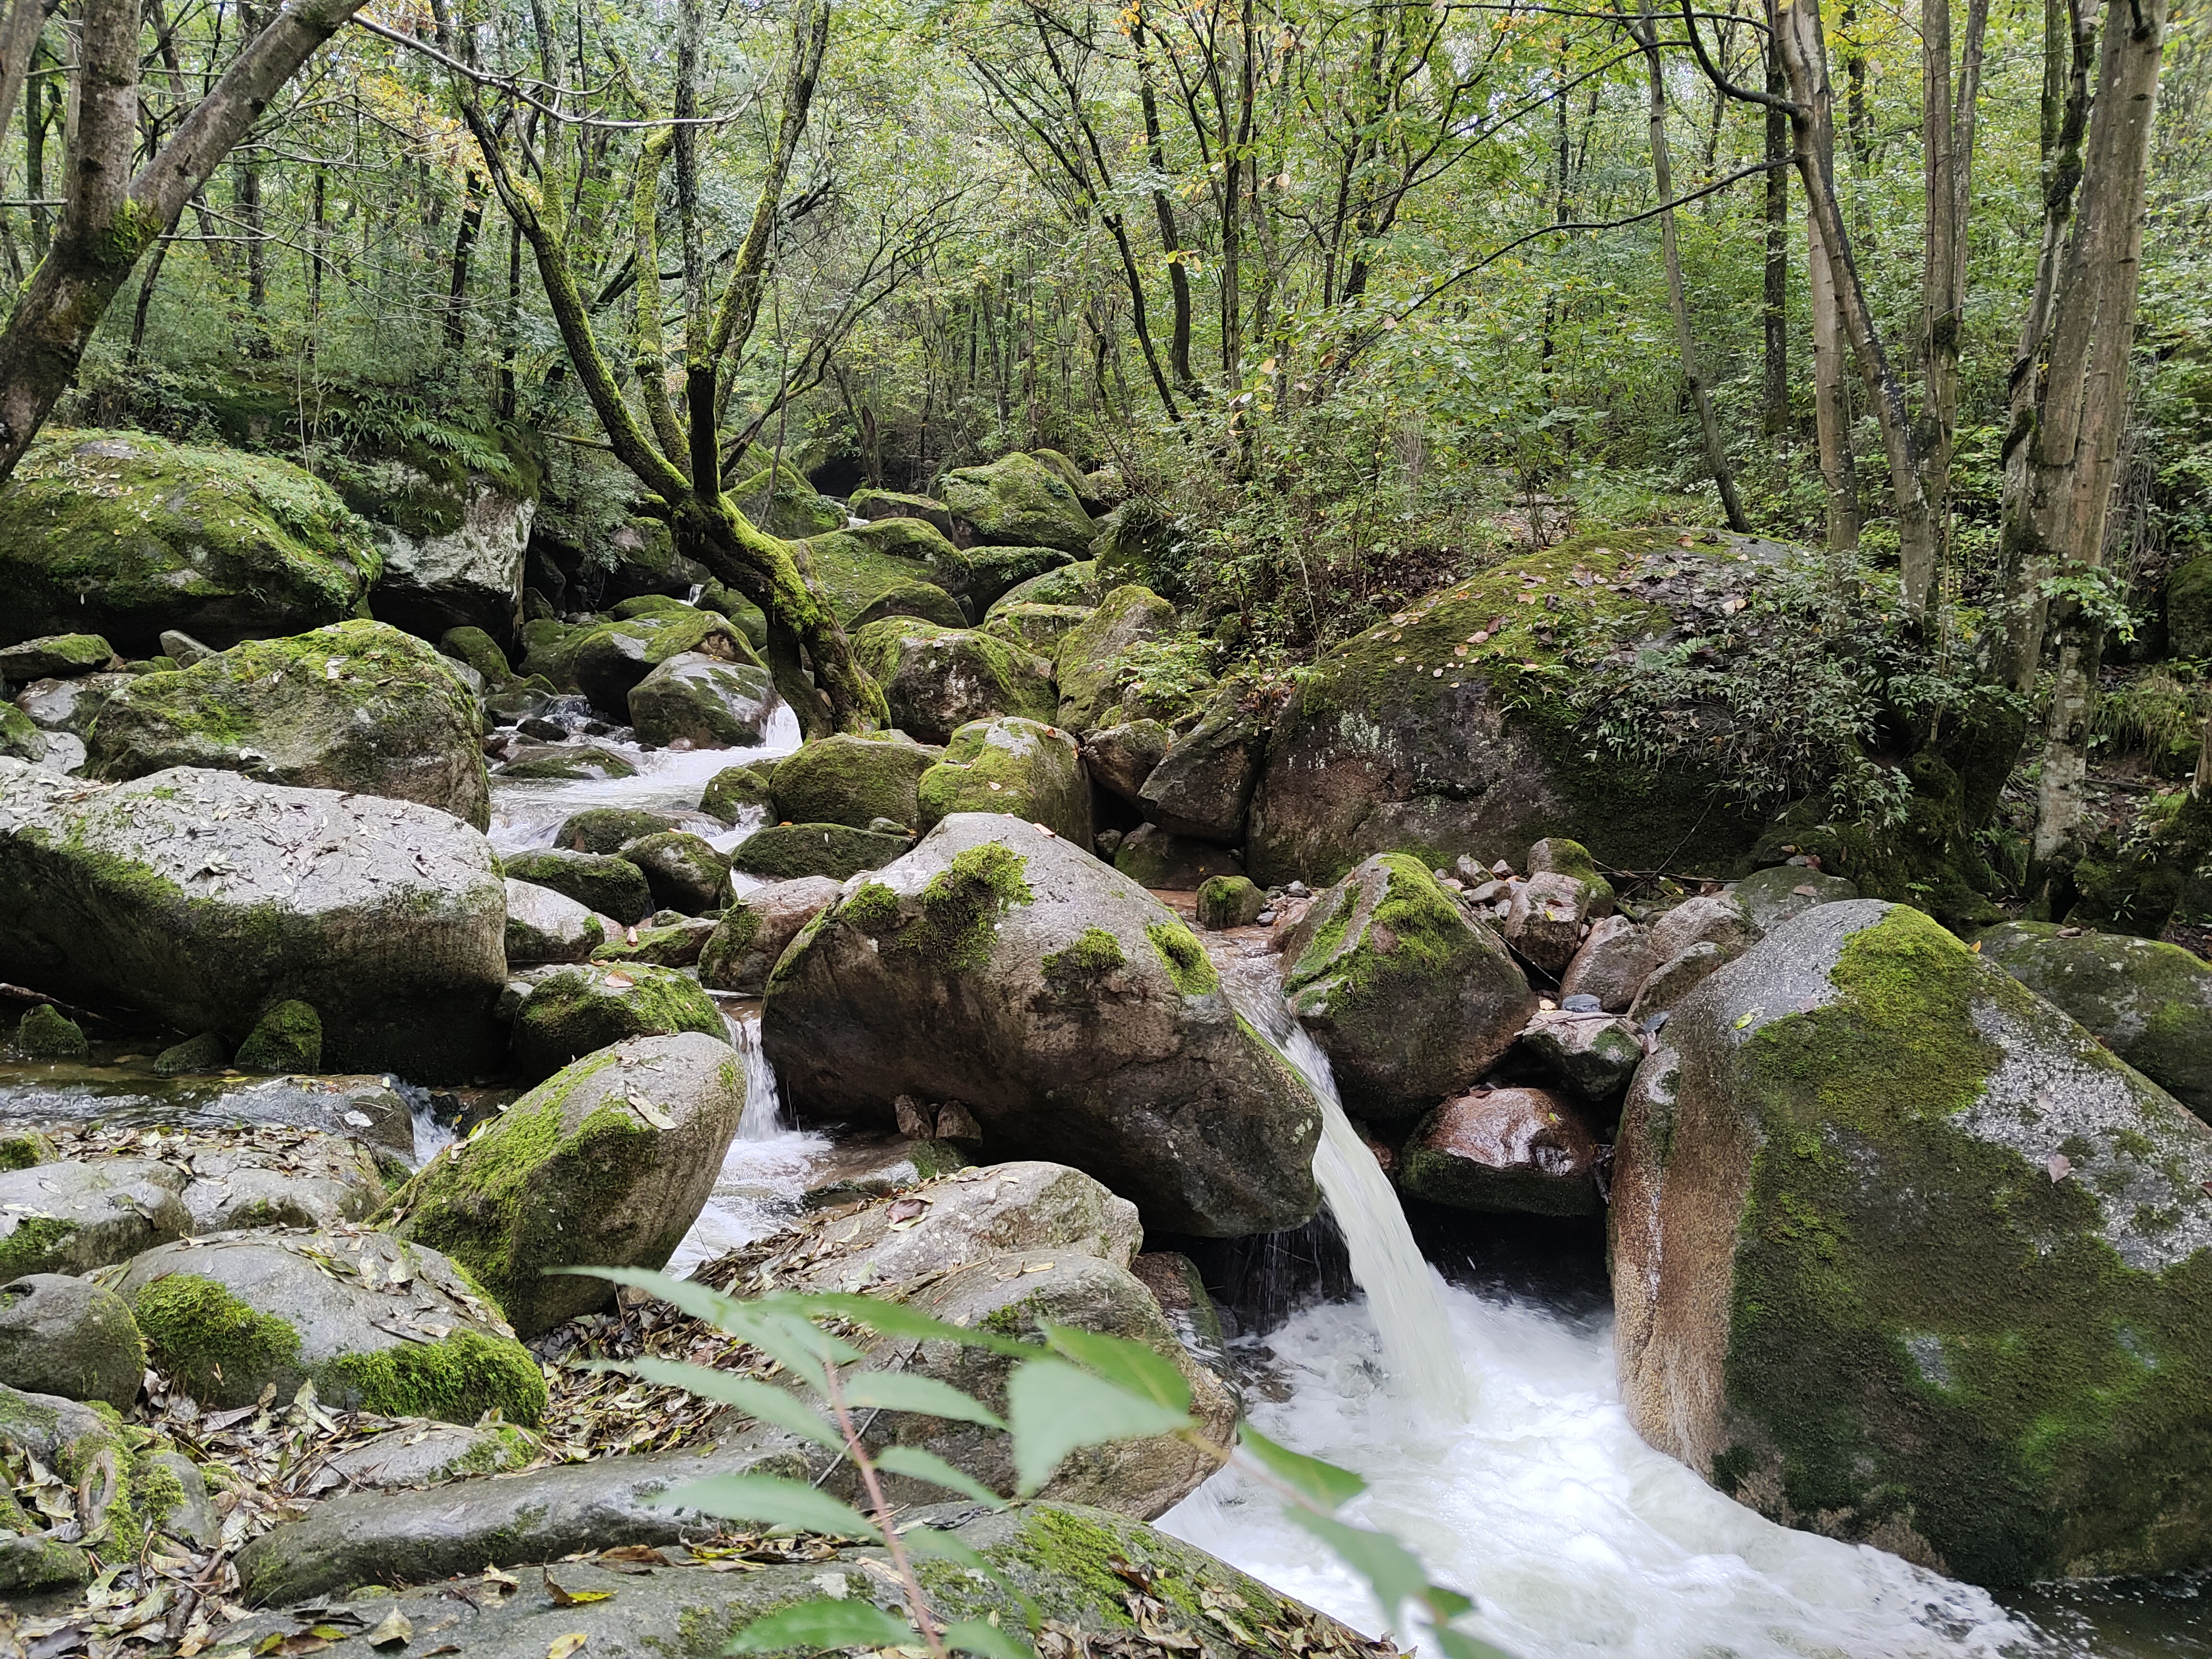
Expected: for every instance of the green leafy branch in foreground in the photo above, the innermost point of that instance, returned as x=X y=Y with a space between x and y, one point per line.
x=1078 y=1388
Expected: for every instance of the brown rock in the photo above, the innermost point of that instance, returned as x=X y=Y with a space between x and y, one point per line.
x=1609 y=964
x=756 y=927
x=1544 y=919
x=1524 y=1150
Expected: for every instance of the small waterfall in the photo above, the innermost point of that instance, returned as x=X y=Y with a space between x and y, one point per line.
x=1404 y=1297
x=763 y=1117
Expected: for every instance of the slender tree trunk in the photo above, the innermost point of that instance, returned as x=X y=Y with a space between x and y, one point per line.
x=145 y=302
x=1163 y=210
x=38 y=112
x=1832 y=398
x=1774 y=309
x=510 y=320
x=457 y=290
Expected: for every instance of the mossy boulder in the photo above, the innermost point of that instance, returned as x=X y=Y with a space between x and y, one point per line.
x=1902 y=1254
x=1152 y=858
x=1228 y=901
x=57 y=657
x=661 y=944
x=600 y=882
x=734 y=791
x=1077 y=584
x=72 y=1216
x=913 y=598
x=874 y=504
x=700 y=701
x=454 y=546
x=566 y=762
x=1590 y=1053
x=1017 y=501
x=756 y=927
x=358 y=705
x=479 y=651
x=935 y=680
x=573 y=1011
x=2150 y=1003
x=1411 y=999
x=1448 y=728
x=607 y=830
x=606 y=1164
x=1520 y=1151
x=854 y=781
x=1037 y=627
x=288 y=1038
x=543 y=925
x=608 y=660
x=860 y=572
x=376 y=1323
x=1202 y=787
x=682 y=871
x=45 y=1033
x=778 y=498
x=786 y=852
x=21 y=736
x=124 y=534
x=1071 y=1013
x=1014 y=766
x=70 y=1337
x=2189 y=609
x=983 y=575
x=202 y=897
x=1120 y=757
x=1094 y=675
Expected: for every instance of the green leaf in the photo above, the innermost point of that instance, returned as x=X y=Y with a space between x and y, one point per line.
x=768 y=1499
x=944 y=1544
x=822 y=1624
x=895 y=1319
x=917 y=1464
x=1056 y=1409
x=762 y=1400
x=1130 y=1365
x=1326 y=1484
x=684 y=1294
x=1394 y=1572
x=901 y=1391
x=973 y=1636
x=1458 y=1644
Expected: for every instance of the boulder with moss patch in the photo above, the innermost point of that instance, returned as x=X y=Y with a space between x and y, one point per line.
x=358 y=705
x=2149 y=1002
x=609 y=886
x=73 y=1217
x=935 y=680
x=202 y=897
x=57 y=657
x=1077 y=584
x=1409 y=997
x=1094 y=675
x=124 y=534
x=1037 y=627
x=21 y=736
x=606 y=1164
x=1228 y=901
x=1518 y=1151
x=1856 y=1098
x=1203 y=785
x=479 y=651
x=735 y=790
x=700 y=701
x=609 y=660
x=573 y=1011
x=682 y=871
x=377 y=1323
x=1019 y=500
x=1015 y=766
x=1071 y=1013
x=287 y=1038
x=70 y=1337
x=873 y=504
x=454 y=546
x=786 y=852
x=854 y=781
x=756 y=929
x=45 y=1033
x=543 y=925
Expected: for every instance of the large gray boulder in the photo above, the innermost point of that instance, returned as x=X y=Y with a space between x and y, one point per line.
x=376 y=1323
x=70 y=1337
x=703 y=703
x=1015 y=766
x=204 y=897
x=1203 y=785
x=543 y=925
x=936 y=680
x=2149 y=1002
x=72 y=1217
x=605 y=1164
x=1902 y=1254
x=1072 y=1014
x=358 y=705
x=459 y=564
x=1411 y=999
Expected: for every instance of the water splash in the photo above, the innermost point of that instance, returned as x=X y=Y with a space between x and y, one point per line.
x=1404 y=1293
x=763 y=1118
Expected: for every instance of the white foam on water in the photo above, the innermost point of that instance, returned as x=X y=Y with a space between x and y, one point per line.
x=1574 y=1538
x=764 y=1174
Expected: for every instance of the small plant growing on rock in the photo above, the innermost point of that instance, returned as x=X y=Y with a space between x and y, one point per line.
x=1077 y=1388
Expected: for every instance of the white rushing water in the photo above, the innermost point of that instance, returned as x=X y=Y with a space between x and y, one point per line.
x=765 y=1172
x=1574 y=1538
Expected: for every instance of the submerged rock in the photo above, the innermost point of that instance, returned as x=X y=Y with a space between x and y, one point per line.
x=607 y=1163
x=1071 y=1014
x=376 y=1324
x=203 y=897
x=1409 y=998
x=1901 y=1255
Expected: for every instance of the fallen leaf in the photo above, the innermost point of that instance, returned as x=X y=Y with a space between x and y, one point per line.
x=566 y=1598
x=653 y=1113
x=396 y=1631
x=564 y=1646
x=2060 y=1167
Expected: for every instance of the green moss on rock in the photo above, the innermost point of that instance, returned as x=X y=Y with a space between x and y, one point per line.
x=1095 y=950
x=288 y=1038
x=457 y=1379
x=46 y=1033
x=789 y=851
x=1188 y=966
x=196 y=1333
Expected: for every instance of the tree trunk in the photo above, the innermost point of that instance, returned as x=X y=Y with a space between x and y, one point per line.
x=1163 y=210
x=1775 y=309
x=457 y=290
x=1831 y=399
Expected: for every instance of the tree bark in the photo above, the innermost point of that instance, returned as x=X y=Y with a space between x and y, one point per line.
x=464 y=237
x=1163 y=210
x=1832 y=399
x=1775 y=309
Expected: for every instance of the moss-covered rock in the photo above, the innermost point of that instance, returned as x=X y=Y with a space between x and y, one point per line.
x=21 y=736
x=288 y=1038
x=735 y=790
x=608 y=830
x=854 y=781
x=580 y=1010
x=70 y=1337
x=682 y=871
x=860 y=572
x=202 y=897
x=1017 y=501
x=1014 y=766
x=25 y=1149
x=756 y=927
x=1228 y=901
x=700 y=701
x=454 y=542
x=1077 y=584
x=2150 y=1003
x=1036 y=627
x=46 y=1032
x=912 y=598
x=1202 y=787
x=543 y=925
x=567 y=762
x=1591 y=1054
x=358 y=705
x=225 y=1318
x=606 y=1164
x=1411 y=1000
x=1436 y=733
x=57 y=657
x=480 y=651
x=874 y=504
x=608 y=660
x=2189 y=609
x=73 y=1217
x=1153 y=859
x=602 y=883
x=778 y=498
x=125 y=534
x=936 y=680
x=1094 y=674
x=786 y=852
x=983 y=575
x=972 y=969
x=1903 y=1255
x=660 y=944
x=207 y=1052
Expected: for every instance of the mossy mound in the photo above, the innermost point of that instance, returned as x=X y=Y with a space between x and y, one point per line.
x=124 y=534
x=288 y=1038
x=608 y=830
x=1038 y=627
x=480 y=651
x=736 y=790
x=608 y=660
x=358 y=705
x=59 y=656
x=1077 y=585
x=854 y=781
x=598 y=882
x=924 y=600
x=684 y=871
x=1904 y=1255
x=607 y=1163
x=786 y=852
x=1019 y=500
x=2189 y=609
x=567 y=763
x=46 y=1033
x=580 y=1009
x=1019 y=767
x=700 y=701
x=1228 y=901
x=1093 y=674
x=983 y=575
x=936 y=680
x=859 y=572
x=874 y=504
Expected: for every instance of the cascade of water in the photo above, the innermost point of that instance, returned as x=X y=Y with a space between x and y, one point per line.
x=1404 y=1296
x=763 y=1117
